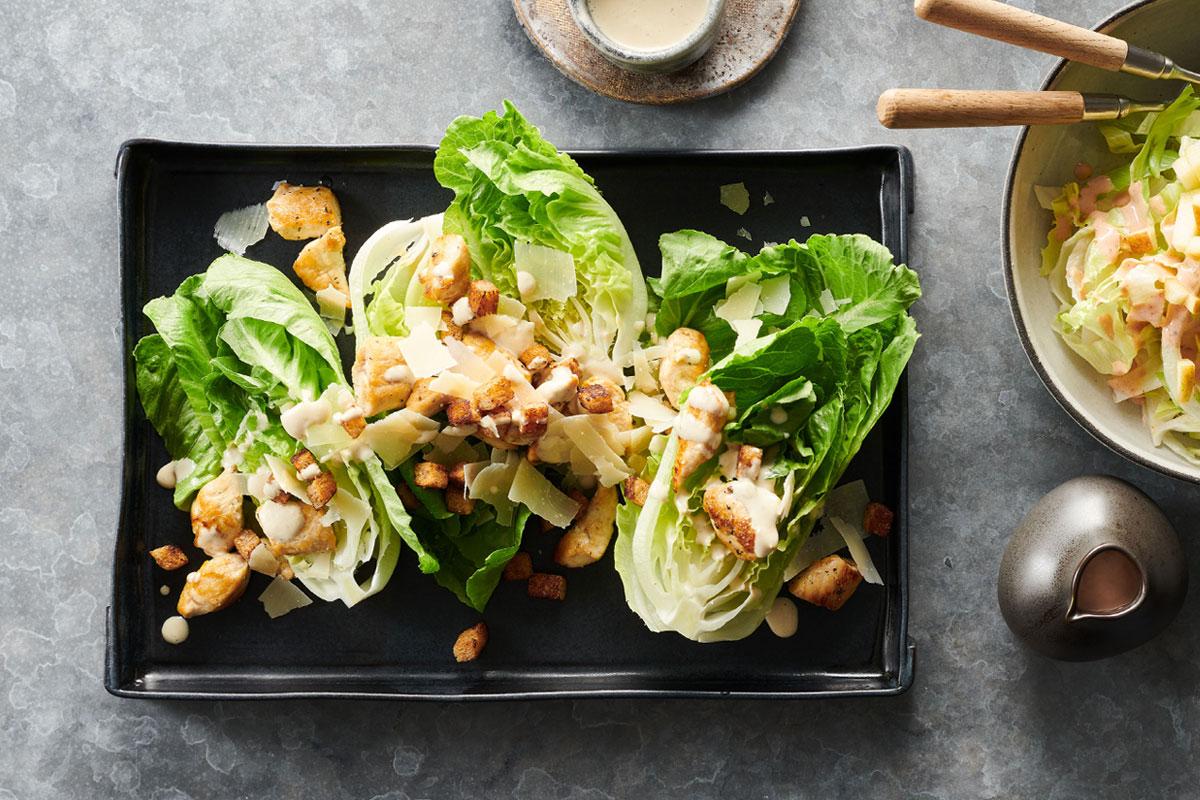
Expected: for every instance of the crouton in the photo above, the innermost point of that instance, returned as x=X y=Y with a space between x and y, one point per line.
x=322 y=265
x=544 y=586
x=354 y=426
x=587 y=539
x=217 y=514
x=749 y=461
x=219 y=581
x=457 y=502
x=303 y=212
x=321 y=489
x=536 y=358
x=426 y=401
x=484 y=298
x=462 y=413
x=457 y=474
x=470 y=643
x=518 y=568
x=636 y=490
x=685 y=360
x=303 y=460
x=429 y=475
x=169 y=557
x=528 y=424
x=877 y=519
x=245 y=543
x=446 y=276
x=382 y=381
x=494 y=394
x=828 y=582
x=594 y=397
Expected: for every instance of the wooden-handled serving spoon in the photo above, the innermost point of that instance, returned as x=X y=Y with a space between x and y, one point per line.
x=994 y=20
x=949 y=108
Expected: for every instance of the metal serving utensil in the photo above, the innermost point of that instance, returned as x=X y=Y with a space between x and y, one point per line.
x=950 y=108
x=994 y=20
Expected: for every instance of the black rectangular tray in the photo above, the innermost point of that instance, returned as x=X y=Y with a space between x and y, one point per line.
x=397 y=644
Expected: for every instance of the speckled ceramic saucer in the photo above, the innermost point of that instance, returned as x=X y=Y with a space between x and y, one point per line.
x=749 y=37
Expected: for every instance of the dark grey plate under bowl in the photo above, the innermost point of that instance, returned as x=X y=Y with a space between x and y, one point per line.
x=397 y=644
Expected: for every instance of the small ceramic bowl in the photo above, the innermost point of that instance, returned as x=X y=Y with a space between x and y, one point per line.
x=1047 y=156
x=669 y=59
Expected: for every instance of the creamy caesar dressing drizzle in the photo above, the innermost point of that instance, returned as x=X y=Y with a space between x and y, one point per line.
x=778 y=415
x=173 y=472
x=762 y=505
x=280 y=521
x=302 y=416
x=210 y=541
x=783 y=618
x=728 y=462
x=175 y=630
x=648 y=24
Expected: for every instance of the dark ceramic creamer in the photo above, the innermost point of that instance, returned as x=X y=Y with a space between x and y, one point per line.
x=1093 y=570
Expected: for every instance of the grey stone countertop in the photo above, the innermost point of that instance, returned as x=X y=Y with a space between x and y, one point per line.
x=985 y=718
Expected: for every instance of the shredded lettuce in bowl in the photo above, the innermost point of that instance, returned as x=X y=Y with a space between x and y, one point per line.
x=1123 y=261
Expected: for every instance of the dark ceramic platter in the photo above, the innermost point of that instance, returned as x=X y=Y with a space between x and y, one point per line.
x=397 y=644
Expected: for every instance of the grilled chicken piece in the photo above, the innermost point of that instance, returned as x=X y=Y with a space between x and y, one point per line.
x=730 y=519
x=828 y=582
x=322 y=263
x=588 y=537
x=685 y=360
x=636 y=490
x=426 y=401
x=698 y=428
x=217 y=583
x=483 y=298
x=382 y=381
x=529 y=424
x=303 y=212
x=313 y=536
x=217 y=514
x=749 y=461
x=446 y=276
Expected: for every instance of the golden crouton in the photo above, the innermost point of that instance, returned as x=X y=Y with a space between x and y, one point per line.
x=354 y=426
x=828 y=582
x=529 y=423
x=314 y=536
x=303 y=460
x=447 y=275
x=457 y=474
x=545 y=586
x=407 y=498
x=462 y=413
x=429 y=475
x=494 y=394
x=217 y=514
x=636 y=490
x=245 y=543
x=322 y=265
x=169 y=557
x=685 y=360
x=470 y=643
x=457 y=501
x=731 y=519
x=426 y=401
x=518 y=568
x=321 y=489
x=217 y=583
x=303 y=212
x=536 y=358
x=594 y=397
x=749 y=461
x=483 y=297
x=877 y=519
x=382 y=381
x=588 y=537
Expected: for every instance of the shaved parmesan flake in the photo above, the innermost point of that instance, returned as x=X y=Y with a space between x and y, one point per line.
x=263 y=560
x=282 y=597
x=745 y=234
x=395 y=436
x=643 y=376
x=735 y=197
x=804 y=223
x=552 y=271
x=468 y=362
x=510 y=307
x=331 y=304
x=657 y=414
x=423 y=315
x=767 y=199
x=510 y=333
x=858 y=551
x=826 y=302
x=471 y=472
x=589 y=443
x=424 y=354
x=239 y=229
x=739 y=305
x=776 y=294
x=492 y=486
x=638 y=439
x=454 y=384
x=747 y=330
x=285 y=476
x=530 y=488
x=849 y=501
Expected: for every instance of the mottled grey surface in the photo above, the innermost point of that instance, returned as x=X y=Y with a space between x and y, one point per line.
x=985 y=718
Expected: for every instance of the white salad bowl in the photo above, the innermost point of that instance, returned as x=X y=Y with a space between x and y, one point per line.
x=1047 y=156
